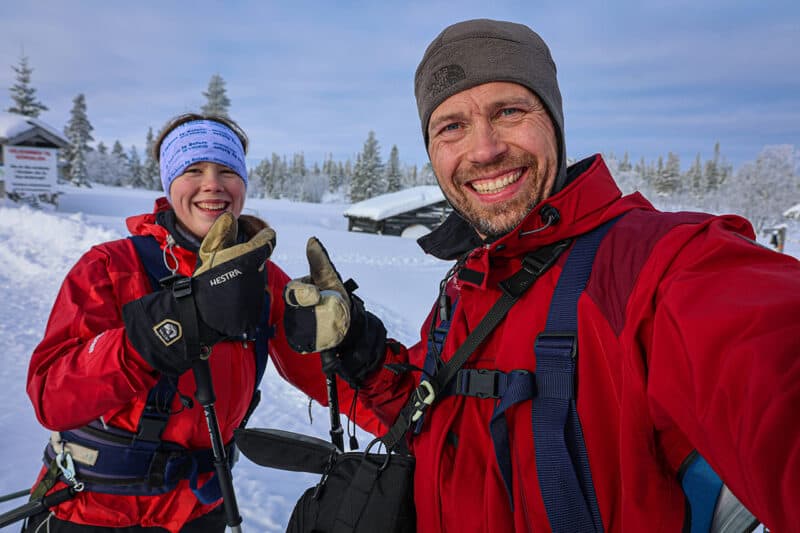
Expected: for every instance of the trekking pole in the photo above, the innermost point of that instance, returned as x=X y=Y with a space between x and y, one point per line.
x=328 y=364
x=15 y=495
x=205 y=396
x=36 y=506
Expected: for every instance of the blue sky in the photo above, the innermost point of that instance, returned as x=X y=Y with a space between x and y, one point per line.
x=645 y=77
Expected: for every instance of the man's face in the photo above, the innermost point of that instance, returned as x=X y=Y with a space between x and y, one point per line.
x=495 y=154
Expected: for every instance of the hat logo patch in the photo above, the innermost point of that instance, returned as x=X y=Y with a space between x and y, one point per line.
x=445 y=77
x=168 y=331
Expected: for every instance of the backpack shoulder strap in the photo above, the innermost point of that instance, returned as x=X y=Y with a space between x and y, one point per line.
x=151 y=256
x=562 y=463
x=159 y=399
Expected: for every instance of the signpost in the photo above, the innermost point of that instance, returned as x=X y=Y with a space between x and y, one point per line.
x=30 y=171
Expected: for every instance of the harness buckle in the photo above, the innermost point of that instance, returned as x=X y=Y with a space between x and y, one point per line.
x=561 y=342
x=478 y=382
x=151 y=425
x=421 y=403
x=182 y=287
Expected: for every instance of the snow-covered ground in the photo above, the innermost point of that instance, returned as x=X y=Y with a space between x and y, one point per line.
x=37 y=248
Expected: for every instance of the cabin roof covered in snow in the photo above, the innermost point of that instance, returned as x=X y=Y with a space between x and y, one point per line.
x=792 y=212
x=15 y=129
x=394 y=203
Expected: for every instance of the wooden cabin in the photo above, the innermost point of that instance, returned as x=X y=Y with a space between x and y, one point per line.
x=411 y=212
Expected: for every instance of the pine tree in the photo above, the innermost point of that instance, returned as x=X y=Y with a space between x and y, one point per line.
x=277 y=176
x=23 y=94
x=667 y=178
x=335 y=174
x=102 y=149
x=299 y=170
x=411 y=176
x=427 y=175
x=217 y=101
x=393 y=173
x=717 y=170
x=261 y=178
x=118 y=151
x=79 y=133
x=625 y=165
x=368 y=177
x=150 y=171
x=694 y=178
x=135 y=174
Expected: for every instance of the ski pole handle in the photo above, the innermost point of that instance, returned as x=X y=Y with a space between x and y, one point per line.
x=328 y=364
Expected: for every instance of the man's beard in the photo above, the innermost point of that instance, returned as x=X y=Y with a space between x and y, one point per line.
x=495 y=220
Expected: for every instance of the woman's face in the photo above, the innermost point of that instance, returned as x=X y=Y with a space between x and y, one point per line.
x=204 y=191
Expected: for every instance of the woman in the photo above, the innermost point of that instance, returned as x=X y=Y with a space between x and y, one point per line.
x=116 y=345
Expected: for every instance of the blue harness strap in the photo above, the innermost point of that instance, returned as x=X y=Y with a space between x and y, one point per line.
x=562 y=463
x=159 y=399
x=433 y=356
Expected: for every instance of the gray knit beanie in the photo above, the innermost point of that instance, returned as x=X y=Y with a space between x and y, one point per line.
x=480 y=51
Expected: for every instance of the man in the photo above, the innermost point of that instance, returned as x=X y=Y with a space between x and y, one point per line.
x=687 y=330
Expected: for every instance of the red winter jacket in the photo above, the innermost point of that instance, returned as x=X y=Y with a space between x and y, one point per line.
x=689 y=338
x=85 y=368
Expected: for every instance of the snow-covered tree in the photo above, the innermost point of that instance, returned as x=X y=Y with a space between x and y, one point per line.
x=763 y=189
x=717 y=170
x=118 y=151
x=277 y=176
x=393 y=174
x=79 y=133
x=625 y=165
x=135 y=173
x=259 y=178
x=151 y=174
x=667 y=179
x=217 y=101
x=368 y=177
x=120 y=170
x=695 y=180
x=299 y=170
x=331 y=169
x=427 y=176
x=23 y=94
x=105 y=167
x=313 y=187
